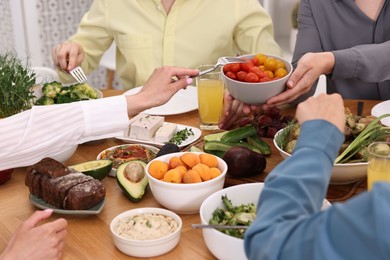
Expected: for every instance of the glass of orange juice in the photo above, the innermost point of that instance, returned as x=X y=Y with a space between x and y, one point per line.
x=378 y=163
x=210 y=97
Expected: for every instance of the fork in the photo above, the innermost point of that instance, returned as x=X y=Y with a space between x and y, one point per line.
x=78 y=74
x=222 y=61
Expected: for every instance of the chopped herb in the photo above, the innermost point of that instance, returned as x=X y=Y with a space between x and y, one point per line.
x=148 y=224
x=181 y=136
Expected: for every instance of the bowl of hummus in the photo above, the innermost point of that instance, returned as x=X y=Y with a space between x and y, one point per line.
x=146 y=232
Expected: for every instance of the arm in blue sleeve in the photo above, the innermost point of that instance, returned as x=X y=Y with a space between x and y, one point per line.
x=289 y=222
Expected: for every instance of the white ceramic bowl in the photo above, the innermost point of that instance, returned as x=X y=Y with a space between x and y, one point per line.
x=257 y=92
x=221 y=245
x=184 y=198
x=65 y=155
x=146 y=248
x=342 y=173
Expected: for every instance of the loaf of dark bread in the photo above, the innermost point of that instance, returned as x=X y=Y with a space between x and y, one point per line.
x=62 y=187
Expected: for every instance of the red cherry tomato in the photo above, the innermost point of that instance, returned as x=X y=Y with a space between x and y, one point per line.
x=241 y=75
x=235 y=67
x=226 y=68
x=255 y=61
x=257 y=71
x=251 y=77
x=246 y=66
x=231 y=75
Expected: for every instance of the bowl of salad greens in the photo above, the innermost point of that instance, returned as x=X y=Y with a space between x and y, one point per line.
x=233 y=206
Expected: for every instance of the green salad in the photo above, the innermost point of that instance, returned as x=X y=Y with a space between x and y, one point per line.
x=231 y=215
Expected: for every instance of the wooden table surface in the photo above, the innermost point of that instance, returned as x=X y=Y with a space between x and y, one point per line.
x=89 y=236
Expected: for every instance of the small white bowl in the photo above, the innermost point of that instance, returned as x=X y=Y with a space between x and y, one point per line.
x=342 y=173
x=184 y=198
x=146 y=248
x=255 y=93
x=221 y=245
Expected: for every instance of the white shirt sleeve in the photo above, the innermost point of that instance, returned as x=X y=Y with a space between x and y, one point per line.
x=43 y=131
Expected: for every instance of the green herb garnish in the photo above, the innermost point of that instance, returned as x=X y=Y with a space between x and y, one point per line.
x=181 y=136
x=16 y=81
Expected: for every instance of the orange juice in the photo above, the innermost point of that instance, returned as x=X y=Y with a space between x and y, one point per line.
x=210 y=100
x=377 y=170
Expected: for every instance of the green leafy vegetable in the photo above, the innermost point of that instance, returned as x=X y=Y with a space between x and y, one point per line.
x=16 y=81
x=181 y=136
x=231 y=215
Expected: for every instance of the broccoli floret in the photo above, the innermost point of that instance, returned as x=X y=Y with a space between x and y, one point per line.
x=65 y=97
x=44 y=100
x=83 y=91
x=51 y=89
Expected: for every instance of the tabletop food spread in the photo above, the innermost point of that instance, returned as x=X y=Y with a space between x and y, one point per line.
x=71 y=193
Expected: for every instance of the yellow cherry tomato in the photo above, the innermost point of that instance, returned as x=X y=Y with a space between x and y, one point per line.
x=270 y=73
x=280 y=73
x=261 y=58
x=280 y=64
x=270 y=64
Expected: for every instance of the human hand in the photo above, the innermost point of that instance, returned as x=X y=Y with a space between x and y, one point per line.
x=31 y=241
x=68 y=55
x=160 y=87
x=233 y=110
x=323 y=106
x=310 y=67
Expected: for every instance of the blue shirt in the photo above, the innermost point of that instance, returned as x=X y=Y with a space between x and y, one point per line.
x=290 y=224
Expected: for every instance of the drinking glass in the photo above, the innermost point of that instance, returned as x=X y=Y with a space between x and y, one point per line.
x=378 y=163
x=210 y=88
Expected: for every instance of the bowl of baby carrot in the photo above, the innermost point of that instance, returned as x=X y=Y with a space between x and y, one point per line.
x=181 y=181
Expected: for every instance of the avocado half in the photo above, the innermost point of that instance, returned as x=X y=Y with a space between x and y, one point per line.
x=98 y=169
x=132 y=179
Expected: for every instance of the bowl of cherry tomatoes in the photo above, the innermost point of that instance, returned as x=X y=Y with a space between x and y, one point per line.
x=260 y=78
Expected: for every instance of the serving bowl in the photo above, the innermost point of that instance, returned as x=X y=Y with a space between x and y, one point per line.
x=146 y=247
x=150 y=150
x=64 y=155
x=184 y=198
x=255 y=93
x=342 y=173
x=221 y=245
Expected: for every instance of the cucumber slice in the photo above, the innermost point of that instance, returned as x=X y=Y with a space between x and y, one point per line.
x=98 y=169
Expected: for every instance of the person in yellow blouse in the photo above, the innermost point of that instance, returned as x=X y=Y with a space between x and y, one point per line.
x=154 y=33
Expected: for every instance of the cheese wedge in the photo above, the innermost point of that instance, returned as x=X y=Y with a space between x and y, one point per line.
x=165 y=133
x=145 y=127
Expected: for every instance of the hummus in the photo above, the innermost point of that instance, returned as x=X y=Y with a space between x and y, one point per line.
x=146 y=226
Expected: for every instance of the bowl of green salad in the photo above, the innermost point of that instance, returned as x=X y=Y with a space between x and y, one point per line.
x=232 y=206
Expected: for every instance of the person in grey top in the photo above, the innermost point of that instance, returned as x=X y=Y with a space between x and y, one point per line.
x=349 y=42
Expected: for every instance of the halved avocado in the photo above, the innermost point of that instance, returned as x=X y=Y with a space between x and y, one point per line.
x=98 y=169
x=132 y=179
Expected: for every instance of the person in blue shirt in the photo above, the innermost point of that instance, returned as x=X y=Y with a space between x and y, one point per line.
x=290 y=223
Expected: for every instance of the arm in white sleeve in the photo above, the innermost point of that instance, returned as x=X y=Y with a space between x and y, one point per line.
x=42 y=131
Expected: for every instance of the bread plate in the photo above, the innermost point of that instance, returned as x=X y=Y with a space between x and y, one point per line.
x=41 y=204
x=197 y=133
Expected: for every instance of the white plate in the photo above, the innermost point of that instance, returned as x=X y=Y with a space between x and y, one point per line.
x=381 y=109
x=189 y=140
x=185 y=100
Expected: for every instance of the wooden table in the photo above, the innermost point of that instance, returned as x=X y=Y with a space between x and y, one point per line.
x=89 y=237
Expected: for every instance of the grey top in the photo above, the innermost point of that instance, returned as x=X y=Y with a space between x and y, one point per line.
x=361 y=46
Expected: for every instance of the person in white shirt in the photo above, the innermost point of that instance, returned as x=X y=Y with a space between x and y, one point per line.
x=31 y=135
